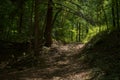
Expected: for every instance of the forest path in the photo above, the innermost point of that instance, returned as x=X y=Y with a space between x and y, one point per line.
x=62 y=64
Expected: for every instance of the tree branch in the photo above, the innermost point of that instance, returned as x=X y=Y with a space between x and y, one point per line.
x=78 y=13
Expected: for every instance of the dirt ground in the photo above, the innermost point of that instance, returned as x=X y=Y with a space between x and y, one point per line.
x=62 y=64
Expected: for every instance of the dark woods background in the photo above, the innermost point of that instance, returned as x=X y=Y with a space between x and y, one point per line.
x=27 y=25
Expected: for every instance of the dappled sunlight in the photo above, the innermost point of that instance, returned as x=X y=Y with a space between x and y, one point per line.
x=64 y=48
x=60 y=61
x=71 y=47
x=59 y=40
x=61 y=64
x=82 y=75
x=31 y=78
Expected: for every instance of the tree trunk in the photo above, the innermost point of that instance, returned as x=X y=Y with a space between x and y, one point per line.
x=48 y=28
x=21 y=16
x=31 y=19
x=79 y=30
x=36 y=30
x=117 y=14
x=106 y=20
x=20 y=23
x=113 y=13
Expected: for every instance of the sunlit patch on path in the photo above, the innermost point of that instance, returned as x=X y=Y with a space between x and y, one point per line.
x=62 y=65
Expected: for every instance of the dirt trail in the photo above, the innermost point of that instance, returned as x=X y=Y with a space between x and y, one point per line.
x=62 y=64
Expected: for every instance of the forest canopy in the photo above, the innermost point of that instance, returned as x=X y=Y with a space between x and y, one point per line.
x=42 y=22
x=60 y=39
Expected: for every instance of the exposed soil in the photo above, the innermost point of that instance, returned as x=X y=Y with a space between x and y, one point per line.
x=97 y=60
x=62 y=64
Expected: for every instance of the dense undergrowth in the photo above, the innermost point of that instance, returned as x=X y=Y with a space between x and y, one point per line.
x=103 y=52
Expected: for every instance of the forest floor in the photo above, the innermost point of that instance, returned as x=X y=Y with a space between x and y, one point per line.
x=99 y=59
x=62 y=64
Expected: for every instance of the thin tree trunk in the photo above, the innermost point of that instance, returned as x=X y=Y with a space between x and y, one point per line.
x=31 y=19
x=20 y=23
x=48 y=28
x=36 y=26
x=113 y=14
x=76 y=33
x=21 y=16
x=117 y=13
x=106 y=21
x=79 y=30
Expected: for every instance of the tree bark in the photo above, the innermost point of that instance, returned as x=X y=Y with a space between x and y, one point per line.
x=36 y=30
x=113 y=13
x=79 y=29
x=117 y=14
x=21 y=5
x=48 y=28
x=106 y=20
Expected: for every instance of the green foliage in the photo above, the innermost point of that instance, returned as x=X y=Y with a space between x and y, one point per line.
x=92 y=32
x=90 y=15
x=72 y=21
